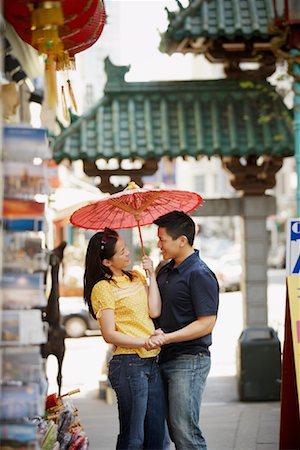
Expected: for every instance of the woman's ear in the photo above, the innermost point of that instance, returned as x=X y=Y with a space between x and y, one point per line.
x=106 y=262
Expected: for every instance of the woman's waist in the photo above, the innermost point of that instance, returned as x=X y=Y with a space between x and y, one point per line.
x=140 y=352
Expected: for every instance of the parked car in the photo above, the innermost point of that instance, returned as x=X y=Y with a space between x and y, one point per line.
x=277 y=257
x=228 y=273
x=76 y=317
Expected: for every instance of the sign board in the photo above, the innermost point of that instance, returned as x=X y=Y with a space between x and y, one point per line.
x=293 y=248
x=294 y=299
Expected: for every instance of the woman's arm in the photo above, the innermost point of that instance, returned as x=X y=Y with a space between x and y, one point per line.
x=112 y=336
x=154 y=300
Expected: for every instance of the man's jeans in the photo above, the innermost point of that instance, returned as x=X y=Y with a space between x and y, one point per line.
x=141 y=403
x=184 y=380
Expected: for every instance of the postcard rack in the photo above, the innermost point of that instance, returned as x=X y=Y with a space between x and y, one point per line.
x=24 y=264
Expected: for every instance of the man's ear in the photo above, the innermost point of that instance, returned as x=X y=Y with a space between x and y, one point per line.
x=183 y=240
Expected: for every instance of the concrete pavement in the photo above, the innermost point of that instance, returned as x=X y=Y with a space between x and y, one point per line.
x=226 y=423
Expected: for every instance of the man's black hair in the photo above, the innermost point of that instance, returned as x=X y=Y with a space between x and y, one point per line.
x=177 y=223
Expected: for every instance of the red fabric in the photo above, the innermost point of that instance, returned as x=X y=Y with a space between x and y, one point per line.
x=124 y=209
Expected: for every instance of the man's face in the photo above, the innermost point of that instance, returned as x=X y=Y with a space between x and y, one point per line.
x=169 y=248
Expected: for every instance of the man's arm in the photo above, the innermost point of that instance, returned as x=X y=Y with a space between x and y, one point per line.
x=200 y=327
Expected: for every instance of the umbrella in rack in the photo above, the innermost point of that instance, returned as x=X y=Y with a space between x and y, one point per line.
x=134 y=207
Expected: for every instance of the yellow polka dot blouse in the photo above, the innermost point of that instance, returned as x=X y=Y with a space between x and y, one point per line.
x=129 y=301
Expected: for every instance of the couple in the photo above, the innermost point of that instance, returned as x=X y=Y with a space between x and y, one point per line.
x=184 y=299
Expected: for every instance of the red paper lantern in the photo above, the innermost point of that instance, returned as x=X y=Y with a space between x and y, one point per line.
x=58 y=29
x=79 y=27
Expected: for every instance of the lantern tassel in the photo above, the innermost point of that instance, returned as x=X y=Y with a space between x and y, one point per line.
x=64 y=104
x=50 y=76
x=72 y=96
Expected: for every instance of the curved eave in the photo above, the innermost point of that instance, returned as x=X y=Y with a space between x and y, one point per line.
x=247 y=20
x=152 y=120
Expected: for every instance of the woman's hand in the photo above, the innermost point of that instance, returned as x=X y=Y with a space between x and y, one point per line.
x=147 y=264
x=156 y=340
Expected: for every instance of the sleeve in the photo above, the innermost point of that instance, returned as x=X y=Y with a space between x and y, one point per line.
x=140 y=276
x=102 y=297
x=205 y=293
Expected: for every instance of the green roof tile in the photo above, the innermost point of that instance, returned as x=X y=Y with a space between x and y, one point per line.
x=214 y=19
x=189 y=118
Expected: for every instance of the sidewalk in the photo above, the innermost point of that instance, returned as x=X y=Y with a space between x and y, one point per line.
x=226 y=423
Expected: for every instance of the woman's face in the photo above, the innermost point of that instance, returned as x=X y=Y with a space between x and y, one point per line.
x=121 y=258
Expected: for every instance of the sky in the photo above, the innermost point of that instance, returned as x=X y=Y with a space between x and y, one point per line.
x=136 y=40
x=140 y=38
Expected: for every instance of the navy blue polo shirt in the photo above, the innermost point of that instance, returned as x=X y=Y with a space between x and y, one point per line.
x=187 y=291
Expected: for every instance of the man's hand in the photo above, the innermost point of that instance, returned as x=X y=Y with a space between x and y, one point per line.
x=156 y=340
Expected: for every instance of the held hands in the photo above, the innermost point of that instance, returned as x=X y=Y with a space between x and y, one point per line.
x=156 y=340
x=147 y=264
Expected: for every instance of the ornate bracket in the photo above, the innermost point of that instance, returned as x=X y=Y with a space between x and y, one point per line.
x=252 y=175
x=149 y=167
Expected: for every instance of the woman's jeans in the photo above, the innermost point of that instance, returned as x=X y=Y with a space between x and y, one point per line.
x=184 y=381
x=141 y=403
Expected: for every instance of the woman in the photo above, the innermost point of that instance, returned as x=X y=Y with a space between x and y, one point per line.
x=118 y=299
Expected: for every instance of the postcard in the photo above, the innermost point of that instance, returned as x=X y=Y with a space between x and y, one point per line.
x=20 y=432
x=24 y=224
x=19 y=401
x=22 y=364
x=22 y=142
x=24 y=252
x=14 y=208
x=22 y=327
x=24 y=180
x=22 y=290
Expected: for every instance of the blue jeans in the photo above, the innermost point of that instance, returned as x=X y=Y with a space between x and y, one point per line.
x=141 y=403
x=184 y=379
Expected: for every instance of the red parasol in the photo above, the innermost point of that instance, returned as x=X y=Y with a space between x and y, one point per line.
x=134 y=207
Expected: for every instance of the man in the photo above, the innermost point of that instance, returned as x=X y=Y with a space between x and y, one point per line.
x=190 y=297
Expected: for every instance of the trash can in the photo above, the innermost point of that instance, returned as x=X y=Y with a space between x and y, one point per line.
x=259 y=365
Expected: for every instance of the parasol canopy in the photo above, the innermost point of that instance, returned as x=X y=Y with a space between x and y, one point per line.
x=134 y=207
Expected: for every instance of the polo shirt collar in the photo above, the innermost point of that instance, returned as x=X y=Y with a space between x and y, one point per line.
x=185 y=263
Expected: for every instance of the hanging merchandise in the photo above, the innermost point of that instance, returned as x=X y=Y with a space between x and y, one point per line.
x=58 y=30
x=61 y=427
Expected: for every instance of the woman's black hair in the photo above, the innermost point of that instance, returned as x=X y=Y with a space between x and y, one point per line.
x=101 y=246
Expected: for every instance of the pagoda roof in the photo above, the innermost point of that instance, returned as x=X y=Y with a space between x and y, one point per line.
x=217 y=19
x=149 y=120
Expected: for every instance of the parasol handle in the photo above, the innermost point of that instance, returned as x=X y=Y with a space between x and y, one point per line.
x=142 y=245
x=141 y=239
